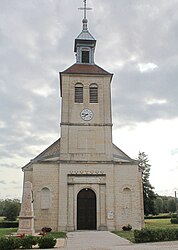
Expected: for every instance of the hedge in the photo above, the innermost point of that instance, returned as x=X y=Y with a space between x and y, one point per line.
x=9 y=224
x=166 y=216
x=26 y=242
x=46 y=242
x=153 y=235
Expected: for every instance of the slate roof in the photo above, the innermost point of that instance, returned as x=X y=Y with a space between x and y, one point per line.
x=85 y=35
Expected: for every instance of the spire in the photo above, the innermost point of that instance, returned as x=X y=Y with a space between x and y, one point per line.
x=85 y=42
x=85 y=21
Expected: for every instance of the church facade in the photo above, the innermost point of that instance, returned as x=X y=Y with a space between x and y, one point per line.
x=83 y=181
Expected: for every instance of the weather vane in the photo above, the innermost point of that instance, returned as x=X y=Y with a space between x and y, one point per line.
x=85 y=9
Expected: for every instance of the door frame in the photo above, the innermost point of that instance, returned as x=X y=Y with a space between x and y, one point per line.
x=97 y=183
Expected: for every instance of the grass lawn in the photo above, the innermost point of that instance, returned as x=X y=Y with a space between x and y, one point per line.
x=128 y=235
x=7 y=231
x=150 y=223
x=57 y=234
x=159 y=223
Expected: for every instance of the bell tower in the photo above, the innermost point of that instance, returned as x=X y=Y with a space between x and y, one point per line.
x=86 y=123
x=85 y=43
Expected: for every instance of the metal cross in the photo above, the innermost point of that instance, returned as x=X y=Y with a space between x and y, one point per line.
x=85 y=9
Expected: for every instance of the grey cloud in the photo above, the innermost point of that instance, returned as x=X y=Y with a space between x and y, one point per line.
x=2 y=182
x=9 y=165
x=133 y=88
x=14 y=182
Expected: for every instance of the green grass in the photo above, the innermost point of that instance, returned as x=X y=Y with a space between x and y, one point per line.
x=57 y=234
x=150 y=223
x=128 y=235
x=159 y=223
x=7 y=231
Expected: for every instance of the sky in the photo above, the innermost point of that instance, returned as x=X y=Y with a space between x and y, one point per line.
x=137 y=41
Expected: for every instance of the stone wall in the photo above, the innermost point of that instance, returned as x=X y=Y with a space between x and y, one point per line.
x=45 y=178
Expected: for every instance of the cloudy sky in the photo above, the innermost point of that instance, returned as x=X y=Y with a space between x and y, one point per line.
x=137 y=40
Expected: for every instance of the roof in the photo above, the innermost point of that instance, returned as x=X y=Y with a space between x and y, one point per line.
x=120 y=156
x=86 y=69
x=85 y=35
x=84 y=38
x=52 y=154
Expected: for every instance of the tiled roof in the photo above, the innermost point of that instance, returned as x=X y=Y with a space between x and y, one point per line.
x=86 y=69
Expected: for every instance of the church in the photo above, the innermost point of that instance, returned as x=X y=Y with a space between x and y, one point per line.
x=83 y=181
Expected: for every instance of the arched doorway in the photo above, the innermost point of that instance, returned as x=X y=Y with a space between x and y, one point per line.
x=86 y=210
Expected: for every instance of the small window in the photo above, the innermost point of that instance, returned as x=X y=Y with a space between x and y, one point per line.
x=45 y=198
x=85 y=56
x=78 y=93
x=93 y=93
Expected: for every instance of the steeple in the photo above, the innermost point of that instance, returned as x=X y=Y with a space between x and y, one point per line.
x=85 y=43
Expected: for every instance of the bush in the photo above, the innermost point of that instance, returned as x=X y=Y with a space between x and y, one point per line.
x=164 y=216
x=46 y=242
x=9 y=243
x=153 y=235
x=6 y=243
x=174 y=215
x=17 y=242
x=9 y=224
x=174 y=220
x=28 y=241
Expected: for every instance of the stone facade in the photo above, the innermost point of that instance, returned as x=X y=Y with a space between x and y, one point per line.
x=84 y=158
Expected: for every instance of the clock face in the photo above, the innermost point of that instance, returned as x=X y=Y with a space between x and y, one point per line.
x=86 y=114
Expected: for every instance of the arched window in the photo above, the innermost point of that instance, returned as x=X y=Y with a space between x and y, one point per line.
x=127 y=201
x=45 y=198
x=93 y=93
x=78 y=93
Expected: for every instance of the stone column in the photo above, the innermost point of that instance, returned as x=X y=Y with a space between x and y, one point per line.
x=70 y=222
x=26 y=218
x=102 y=226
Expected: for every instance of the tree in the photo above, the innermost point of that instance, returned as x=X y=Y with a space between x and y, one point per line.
x=158 y=205
x=11 y=209
x=148 y=193
x=1 y=207
x=165 y=204
x=172 y=205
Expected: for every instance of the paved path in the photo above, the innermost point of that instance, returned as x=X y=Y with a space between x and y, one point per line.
x=97 y=240
x=94 y=240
